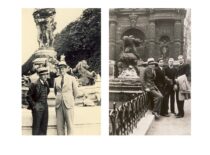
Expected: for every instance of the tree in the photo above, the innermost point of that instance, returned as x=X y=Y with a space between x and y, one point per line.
x=81 y=39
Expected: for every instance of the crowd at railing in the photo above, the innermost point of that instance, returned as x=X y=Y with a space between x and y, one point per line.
x=124 y=118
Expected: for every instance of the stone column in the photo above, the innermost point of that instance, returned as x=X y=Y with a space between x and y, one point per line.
x=178 y=37
x=151 y=39
x=112 y=37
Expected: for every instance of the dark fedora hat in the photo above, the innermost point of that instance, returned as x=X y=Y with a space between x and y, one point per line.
x=42 y=71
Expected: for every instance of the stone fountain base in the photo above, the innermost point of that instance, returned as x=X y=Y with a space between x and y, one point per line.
x=43 y=53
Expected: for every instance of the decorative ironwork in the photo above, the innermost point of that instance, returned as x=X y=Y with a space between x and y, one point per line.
x=124 y=118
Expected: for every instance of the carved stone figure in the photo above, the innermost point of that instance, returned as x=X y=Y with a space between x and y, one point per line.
x=85 y=77
x=44 y=19
x=164 y=49
x=129 y=54
x=133 y=19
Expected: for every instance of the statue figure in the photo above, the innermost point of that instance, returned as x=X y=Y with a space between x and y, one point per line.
x=164 y=49
x=44 y=19
x=129 y=57
x=85 y=77
x=129 y=54
x=129 y=72
x=133 y=19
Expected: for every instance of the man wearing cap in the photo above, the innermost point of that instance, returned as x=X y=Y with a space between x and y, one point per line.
x=37 y=99
x=183 y=69
x=149 y=84
x=65 y=87
x=170 y=74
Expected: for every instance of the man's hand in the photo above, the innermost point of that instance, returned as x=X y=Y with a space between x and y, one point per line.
x=147 y=90
x=175 y=87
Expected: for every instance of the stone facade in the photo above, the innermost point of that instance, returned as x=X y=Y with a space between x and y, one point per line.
x=157 y=28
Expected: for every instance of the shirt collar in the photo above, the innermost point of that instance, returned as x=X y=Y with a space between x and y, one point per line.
x=63 y=75
x=42 y=82
x=171 y=67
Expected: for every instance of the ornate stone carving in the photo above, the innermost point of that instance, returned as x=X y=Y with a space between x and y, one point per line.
x=133 y=19
x=44 y=19
x=86 y=77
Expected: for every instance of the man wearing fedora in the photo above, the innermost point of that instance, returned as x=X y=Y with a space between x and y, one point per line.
x=66 y=89
x=149 y=84
x=37 y=99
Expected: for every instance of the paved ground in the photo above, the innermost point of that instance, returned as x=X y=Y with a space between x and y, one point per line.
x=87 y=121
x=144 y=124
x=172 y=125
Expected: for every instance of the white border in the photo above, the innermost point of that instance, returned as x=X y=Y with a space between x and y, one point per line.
x=10 y=117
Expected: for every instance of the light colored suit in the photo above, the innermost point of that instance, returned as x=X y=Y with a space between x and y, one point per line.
x=65 y=99
x=184 y=87
x=66 y=94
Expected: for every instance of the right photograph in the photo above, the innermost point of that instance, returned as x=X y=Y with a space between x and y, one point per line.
x=150 y=71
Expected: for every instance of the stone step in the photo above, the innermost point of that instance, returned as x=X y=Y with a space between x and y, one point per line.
x=144 y=124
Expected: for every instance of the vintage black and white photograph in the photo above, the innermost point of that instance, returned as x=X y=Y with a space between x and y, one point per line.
x=61 y=70
x=150 y=71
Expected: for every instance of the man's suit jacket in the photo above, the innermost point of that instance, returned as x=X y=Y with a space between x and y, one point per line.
x=34 y=93
x=148 y=79
x=170 y=74
x=160 y=77
x=183 y=69
x=67 y=93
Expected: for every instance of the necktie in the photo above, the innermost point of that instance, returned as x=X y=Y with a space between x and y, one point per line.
x=62 y=81
x=45 y=84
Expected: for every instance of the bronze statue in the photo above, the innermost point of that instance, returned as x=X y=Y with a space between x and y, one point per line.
x=44 y=19
x=129 y=57
x=129 y=54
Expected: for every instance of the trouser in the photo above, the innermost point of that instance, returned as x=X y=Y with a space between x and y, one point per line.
x=180 y=104
x=164 y=108
x=40 y=122
x=170 y=93
x=157 y=98
x=64 y=116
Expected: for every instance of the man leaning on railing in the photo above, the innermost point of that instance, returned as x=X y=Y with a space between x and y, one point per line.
x=149 y=84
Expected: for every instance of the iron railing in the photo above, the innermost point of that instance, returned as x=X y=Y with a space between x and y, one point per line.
x=124 y=118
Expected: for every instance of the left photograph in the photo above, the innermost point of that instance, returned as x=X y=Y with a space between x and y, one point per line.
x=61 y=70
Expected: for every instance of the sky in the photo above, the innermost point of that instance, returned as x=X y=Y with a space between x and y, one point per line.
x=63 y=17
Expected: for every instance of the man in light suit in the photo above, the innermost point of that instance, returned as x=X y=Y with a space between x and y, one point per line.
x=66 y=89
x=183 y=69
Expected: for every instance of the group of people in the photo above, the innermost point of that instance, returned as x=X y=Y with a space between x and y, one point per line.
x=160 y=82
x=66 y=90
x=163 y=83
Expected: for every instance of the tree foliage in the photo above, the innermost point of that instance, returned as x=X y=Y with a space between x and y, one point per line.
x=81 y=39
